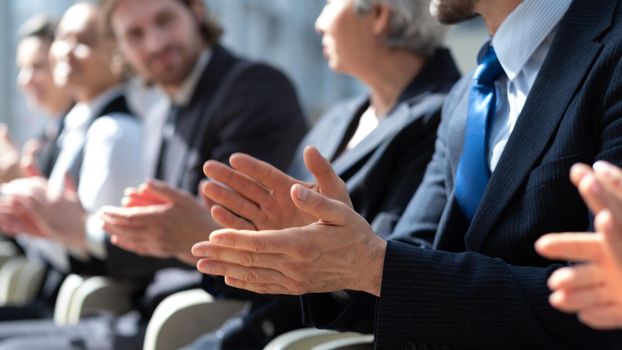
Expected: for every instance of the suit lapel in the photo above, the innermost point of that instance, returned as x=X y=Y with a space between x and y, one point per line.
x=565 y=66
x=333 y=134
x=192 y=116
x=387 y=128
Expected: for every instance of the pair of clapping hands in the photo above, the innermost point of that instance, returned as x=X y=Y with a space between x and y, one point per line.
x=284 y=236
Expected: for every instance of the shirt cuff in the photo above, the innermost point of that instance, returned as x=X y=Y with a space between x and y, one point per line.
x=95 y=237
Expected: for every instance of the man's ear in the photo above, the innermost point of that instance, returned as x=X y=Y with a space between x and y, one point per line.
x=382 y=19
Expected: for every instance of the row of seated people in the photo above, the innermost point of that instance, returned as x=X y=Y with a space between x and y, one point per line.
x=423 y=237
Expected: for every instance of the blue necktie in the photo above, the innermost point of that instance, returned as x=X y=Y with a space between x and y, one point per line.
x=473 y=171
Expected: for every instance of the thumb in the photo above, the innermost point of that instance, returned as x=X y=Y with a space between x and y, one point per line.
x=607 y=223
x=320 y=206
x=328 y=181
x=70 y=184
x=165 y=192
x=30 y=169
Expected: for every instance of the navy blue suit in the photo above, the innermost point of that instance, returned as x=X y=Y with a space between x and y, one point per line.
x=452 y=284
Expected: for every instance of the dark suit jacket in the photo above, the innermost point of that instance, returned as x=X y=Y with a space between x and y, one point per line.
x=381 y=173
x=483 y=286
x=237 y=106
x=384 y=170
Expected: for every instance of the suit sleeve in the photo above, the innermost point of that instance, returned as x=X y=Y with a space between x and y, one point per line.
x=485 y=302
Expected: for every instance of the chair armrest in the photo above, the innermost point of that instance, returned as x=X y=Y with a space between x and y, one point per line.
x=353 y=342
x=65 y=295
x=20 y=280
x=183 y=317
x=99 y=294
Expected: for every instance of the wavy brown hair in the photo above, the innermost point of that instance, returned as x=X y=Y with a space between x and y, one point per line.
x=210 y=29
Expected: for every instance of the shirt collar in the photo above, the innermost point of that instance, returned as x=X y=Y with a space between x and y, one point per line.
x=183 y=96
x=80 y=115
x=520 y=35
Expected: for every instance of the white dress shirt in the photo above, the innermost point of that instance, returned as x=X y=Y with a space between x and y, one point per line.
x=521 y=43
x=112 y=162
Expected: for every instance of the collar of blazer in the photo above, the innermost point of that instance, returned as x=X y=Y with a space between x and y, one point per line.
x=422 y=98
x=570 y=58
x=198 y=111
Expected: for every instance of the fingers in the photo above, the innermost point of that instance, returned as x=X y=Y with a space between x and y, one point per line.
x=610 y=227
x=226 y=218
x=578 y=171
x=278 y=242
x=578 y=276
x=573 y=300
x=70 y=184
x=243 y=258
x=234 y=202
x=267 y=175
x=132 y=217
x=163 y=191
x=245 y=186
x=570 y=246
x=330 y=184
x=602 y=317
x=609 y=175
x=592 y=192
x=250 y=275
x=319 y=206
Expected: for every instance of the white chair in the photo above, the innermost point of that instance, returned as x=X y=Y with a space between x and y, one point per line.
x=311 y=338
x=355 y=342
x=65 y=296
x=80 y=296
x=20 y=280
x=183 y=317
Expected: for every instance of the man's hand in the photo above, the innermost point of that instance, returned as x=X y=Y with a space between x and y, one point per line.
x=36 y=212
x=9 y=157
x=255 y=195
x=593 y=289
x=338 y=251
x=158 y=221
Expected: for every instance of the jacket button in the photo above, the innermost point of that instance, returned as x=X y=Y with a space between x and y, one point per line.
x=409 y=346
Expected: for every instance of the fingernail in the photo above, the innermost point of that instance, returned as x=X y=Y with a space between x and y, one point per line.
x=603 y=168
x=302 y=193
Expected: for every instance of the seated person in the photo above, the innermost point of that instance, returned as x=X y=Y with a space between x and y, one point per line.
x=460 y=270
x=379 y=143
x=593 y=287
x=35 y=80
x=99 y=157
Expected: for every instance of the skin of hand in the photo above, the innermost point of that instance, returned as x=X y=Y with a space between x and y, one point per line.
x=35 y=212
x=9 y=157
x=337 y=251
x=158 y=220
x=593 y=288
x=254 y=195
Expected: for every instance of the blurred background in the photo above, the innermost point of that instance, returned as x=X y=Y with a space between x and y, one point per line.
x=280 y=32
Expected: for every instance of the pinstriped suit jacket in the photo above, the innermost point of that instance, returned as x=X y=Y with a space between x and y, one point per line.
x=448 y=284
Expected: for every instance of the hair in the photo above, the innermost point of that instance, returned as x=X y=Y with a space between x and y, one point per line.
x=40 y=27
x=411 y=25
x=210 y=29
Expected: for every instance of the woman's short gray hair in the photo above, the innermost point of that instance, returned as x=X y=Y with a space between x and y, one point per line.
x=411 y=25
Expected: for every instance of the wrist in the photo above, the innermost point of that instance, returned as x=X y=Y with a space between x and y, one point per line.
x=373 y=275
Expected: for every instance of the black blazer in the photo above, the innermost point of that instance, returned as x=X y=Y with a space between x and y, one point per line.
x=258 y=113
x=383 y=171
x=483 y=286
